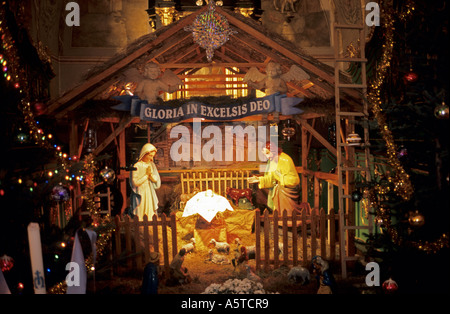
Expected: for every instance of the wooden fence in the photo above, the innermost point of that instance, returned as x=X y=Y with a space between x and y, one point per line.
x=135 y=239
x=214 y=179
x=302 y=237
x=280 y=239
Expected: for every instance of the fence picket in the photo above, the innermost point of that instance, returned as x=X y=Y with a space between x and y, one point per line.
x=137 y=242
x=155 y=234
x=322 y=233
x=173 y=229
x=165 y=242
x=332 y=240
x=313 y=232
x=275 y=239
x=146 y=239
x=285 y=238
x=304 y=238
x=294 y=238
x=266 y=240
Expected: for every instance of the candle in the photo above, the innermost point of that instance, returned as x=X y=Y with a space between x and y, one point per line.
x=37 y=264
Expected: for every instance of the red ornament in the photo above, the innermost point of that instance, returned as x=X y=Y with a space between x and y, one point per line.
x=39 y=108
x=6 y=263
x=411 y=77
x=390 y=286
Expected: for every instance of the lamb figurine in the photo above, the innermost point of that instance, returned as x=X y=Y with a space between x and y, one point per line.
x=217 y=258
x=299 y=274
x=221 y=246
x=189 y=247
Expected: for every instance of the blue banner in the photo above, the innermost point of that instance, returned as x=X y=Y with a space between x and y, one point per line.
x=194 y=109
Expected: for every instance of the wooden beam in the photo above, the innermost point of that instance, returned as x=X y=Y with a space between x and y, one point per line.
x=122 y=125
x=273 y=56
x=85 y=97
x=271 y=43
x=317 y=135
x=193 y=65
x=166 y=34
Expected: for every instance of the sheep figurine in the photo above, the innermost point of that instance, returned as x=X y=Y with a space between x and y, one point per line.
x=221 y=246
x=189 y=247
x=299 y=274
x=217 y=258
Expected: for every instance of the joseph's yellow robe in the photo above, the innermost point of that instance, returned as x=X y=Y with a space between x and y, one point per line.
x=282 y=180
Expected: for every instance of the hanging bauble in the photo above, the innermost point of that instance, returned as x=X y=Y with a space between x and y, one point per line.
x=60 y=193
x=416 y=219
x=353 y=139
x=357 y=196
x=6 y=263
x=288 y=131
x=402 y=153
x=107 y=175
x=390 y=286
x=210 y=30
x=411 y=76
x=441 y=111
x=39 y=108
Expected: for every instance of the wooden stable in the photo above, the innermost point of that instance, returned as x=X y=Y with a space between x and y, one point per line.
x=172 y=47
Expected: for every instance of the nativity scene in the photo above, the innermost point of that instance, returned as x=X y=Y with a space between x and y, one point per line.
x=223 y=138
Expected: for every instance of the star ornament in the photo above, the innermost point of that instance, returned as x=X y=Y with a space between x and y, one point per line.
x=210 y=30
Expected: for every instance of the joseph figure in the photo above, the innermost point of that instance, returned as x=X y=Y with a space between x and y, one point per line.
x=281 y=178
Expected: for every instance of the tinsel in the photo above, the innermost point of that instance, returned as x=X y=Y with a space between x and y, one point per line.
x=104 y=232
x=398 y=180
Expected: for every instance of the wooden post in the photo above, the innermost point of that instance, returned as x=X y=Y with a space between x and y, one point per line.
x=123 y=163
x=165 y=244
x=275 y=240
x=155 y=234
x=330 y=206
x=173 y=227
x=304 y=237
x=304 y=177
x=146 y=239
x=137 y=243
x=313 y=232
x=285 y=238
x=316 y=192
x=266 y=240
x=332 y=225
x=258 y=239
x=322 y=226
x=294 y=238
